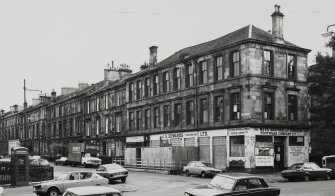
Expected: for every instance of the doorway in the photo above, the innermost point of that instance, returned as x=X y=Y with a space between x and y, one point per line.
x=279 y=153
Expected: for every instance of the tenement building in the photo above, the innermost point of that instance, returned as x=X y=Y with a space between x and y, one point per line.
x=240 y=100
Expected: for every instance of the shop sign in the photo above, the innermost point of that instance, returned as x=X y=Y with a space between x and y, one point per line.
x=238 y=131
x=264 y=161
x=280 y=132
x=179 y=135
x=135 y=139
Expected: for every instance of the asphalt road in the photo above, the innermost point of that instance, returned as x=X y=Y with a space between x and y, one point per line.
x=151 y=184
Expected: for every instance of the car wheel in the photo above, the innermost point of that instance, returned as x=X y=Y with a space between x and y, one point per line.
x=306 y=178
x=187 y=173
x=53 y=192
x=328 y=177
x=203 y=174
x=291 y=179
x=123 y=180
x=85 y=165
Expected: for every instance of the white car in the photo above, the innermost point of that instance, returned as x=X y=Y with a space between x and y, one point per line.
x=92 y=190
x=69 y=180
x=1 y=191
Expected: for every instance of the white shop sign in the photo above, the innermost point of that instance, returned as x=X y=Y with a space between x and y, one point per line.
x=281 y=132
x=135 y=139
x=238 y=131
x=264 y=161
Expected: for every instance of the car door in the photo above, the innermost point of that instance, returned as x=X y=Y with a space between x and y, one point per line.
x=317 y=171
x=192 y=169
x=257 y=187
x=198 y=168
x=307 y=168
x=86 y=180
x=72 y=181
x=240 y=188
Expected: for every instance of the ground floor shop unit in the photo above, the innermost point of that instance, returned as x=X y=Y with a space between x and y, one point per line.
x=244 y=149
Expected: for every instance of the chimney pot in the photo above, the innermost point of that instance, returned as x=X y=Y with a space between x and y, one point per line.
x=277 y=25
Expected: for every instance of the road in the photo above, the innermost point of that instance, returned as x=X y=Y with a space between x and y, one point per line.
x=151 y=184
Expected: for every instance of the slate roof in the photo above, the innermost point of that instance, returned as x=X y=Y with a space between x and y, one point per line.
x=249 y=32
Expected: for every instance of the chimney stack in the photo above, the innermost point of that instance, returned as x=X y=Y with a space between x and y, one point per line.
x=53 y=96
x=277 y=25
x=153 y=55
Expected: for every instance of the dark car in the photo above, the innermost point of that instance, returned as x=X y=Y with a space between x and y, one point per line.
x=232 y=185
x=200 y=168
x=61 y=161
x=113 y=171
x=306 y=171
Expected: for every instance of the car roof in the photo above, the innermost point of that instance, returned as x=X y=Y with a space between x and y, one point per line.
x=110 y=164
x=91 y=190
x=239 y=177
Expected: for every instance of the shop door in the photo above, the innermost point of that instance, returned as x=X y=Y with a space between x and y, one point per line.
x=204 y=146
x=220 y=152
x=279 y=153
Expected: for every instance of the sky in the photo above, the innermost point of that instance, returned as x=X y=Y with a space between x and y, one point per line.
x=60 y=43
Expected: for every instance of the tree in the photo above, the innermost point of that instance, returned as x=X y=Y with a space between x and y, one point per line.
x=322 y=92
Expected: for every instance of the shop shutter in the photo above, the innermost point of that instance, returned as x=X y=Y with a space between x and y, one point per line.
x=176 y=141
x=204 y=149
x=155 y=143
x=220 y=152
x=190 y=141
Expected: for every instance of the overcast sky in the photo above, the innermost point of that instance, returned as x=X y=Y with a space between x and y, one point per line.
x=59 y=43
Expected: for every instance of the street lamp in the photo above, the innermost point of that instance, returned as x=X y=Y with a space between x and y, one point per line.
x=332 y=41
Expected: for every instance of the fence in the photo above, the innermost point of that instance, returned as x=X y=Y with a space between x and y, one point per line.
x=157 y=166
x=5 y=172
x=40 y=173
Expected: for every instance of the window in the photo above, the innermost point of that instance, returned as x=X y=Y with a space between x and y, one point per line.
x=203 y=72
x=235 y=106
x=237 y=146
x=139 y=89
x=156 y=85
x=296 y=141
x=263 y=146
x=292 y=107
x=177 y=79
x=203 y=111
x=118 y=122
x=147 y=119
x=166 y=82
x=268 y=105
x=292 y=67
x=190 y=112
x=219 y=68
x=131 y=91
x=131 y=121
x=235 y=67
x=167 y=116
x=139 y=120
x=177 y=114
x=218 y=109
x=189 y=75
x=267 y=63
x=106 y=125
x=156 y=120
x=147 y=87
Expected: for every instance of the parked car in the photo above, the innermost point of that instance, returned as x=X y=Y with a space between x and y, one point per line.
x=38 y=161
x=232 y=185
x=92 y=190
x=1 y=191
x=113 y=172
x=307 y=171
x=69 y=180
x=200 y=168
x=61 y=161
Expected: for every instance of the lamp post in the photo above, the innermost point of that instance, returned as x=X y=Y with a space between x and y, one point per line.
x=332 y=40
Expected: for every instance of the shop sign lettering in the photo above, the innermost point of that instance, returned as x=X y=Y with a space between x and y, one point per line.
x=135 y=139
x=296 y=151
x=264 y=160
x=238 y=131
x=280 y=132
x=203 y=133
x=172 y=135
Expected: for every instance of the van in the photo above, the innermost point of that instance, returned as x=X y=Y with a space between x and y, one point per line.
x=329 y=162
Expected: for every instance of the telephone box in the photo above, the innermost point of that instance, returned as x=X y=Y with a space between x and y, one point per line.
x=20 y=164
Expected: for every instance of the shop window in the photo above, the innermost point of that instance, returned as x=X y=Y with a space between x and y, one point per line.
x=166 y=82
x=203 y=72
x=235 y=106
x=268 y=106
x=296 y=141
x=267 y=63
x=263 y=146
x=237 y=146
x=292 y=107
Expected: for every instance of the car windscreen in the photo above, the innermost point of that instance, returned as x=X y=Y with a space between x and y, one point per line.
x=222 y=182
x=207 y=164
x=296 y=166
x=63 y=177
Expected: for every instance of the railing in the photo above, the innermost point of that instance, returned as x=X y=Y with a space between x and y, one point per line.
x=5 y=172
x=40 y=173
x=157 y=166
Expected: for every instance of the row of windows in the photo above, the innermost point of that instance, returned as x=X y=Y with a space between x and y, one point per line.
x=268 y=70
